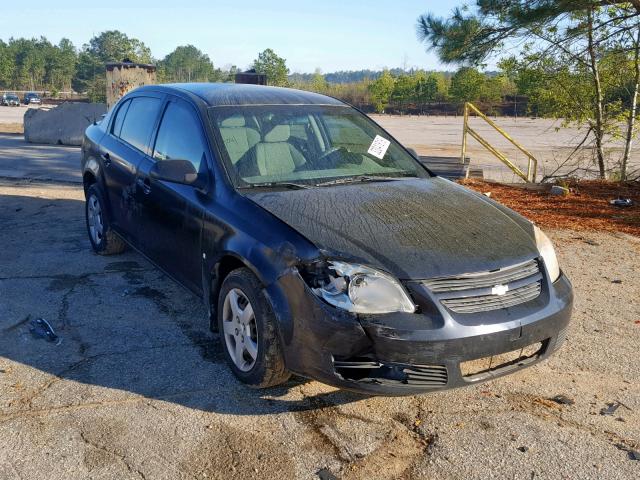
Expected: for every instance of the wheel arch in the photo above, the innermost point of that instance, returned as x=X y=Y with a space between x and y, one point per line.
x=88 y=179
x=223 y=265
x=92 y=175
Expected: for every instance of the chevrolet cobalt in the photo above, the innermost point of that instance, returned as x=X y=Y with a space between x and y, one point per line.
x=319 y=244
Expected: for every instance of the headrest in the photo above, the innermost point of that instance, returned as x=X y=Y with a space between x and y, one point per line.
x=233 y=121
x=279 y=133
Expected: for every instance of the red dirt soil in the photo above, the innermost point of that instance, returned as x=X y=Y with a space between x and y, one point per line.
x=585 y=208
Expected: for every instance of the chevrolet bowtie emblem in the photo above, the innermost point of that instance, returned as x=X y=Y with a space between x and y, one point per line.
x=499 y=290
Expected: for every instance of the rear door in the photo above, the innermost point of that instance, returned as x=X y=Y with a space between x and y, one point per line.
x=171 y=214
x=122 y=150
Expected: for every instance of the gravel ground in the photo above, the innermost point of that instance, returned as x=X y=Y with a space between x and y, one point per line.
x=14 y=114
x=19 y=159
x=440 y=136
x=12 y=118
x=543 y=137
x=137 y=388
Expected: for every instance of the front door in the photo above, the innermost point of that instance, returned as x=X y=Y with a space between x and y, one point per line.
x=171 y=215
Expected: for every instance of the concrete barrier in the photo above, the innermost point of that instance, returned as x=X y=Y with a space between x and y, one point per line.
x=62 y=125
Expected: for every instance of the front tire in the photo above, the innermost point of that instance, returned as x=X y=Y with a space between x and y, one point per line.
x=247 y=328
x=104 y=240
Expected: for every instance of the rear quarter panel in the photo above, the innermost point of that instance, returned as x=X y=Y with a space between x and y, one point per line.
x=90 y=162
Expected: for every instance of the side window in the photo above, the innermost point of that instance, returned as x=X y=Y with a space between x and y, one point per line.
x=139 y=121
x=120 y=114
x=179 y=136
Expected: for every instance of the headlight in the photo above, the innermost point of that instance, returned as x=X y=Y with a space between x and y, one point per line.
x=548 y=253
x=360 y=289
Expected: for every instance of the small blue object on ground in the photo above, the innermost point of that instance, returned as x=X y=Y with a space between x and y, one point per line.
x=40 y=328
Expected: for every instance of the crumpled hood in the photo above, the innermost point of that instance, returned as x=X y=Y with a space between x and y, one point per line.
x=413 y=228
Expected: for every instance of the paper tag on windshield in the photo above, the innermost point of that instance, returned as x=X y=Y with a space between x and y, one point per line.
x=379 y=147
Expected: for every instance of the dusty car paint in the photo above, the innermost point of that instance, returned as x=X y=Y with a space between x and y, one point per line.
x=414 y=229
x=408 y=227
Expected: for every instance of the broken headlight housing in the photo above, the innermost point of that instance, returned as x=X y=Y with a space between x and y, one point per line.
x=548 y=253
x=359 y=289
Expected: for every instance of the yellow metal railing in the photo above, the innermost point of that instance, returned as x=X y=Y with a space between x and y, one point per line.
x=532 y=165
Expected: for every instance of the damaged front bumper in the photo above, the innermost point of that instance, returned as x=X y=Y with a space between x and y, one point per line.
x=410 y=353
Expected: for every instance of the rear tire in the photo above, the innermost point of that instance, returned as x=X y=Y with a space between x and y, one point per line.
x=104 y=240
x=247 y=327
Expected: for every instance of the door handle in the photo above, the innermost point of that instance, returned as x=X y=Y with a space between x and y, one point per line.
x=144 y=185
x=107 y=159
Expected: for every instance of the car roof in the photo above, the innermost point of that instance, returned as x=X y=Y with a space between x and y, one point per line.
x=232 y=94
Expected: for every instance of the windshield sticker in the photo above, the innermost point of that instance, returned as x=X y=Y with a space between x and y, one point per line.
x=379 y=147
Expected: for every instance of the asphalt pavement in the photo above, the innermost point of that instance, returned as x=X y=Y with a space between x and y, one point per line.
x=136 y=387
x=19 y=159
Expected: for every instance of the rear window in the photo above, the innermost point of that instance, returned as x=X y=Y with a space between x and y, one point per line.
x=120 y=114
x=139 y=121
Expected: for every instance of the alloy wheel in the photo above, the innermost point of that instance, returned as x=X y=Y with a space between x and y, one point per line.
x=94 y=219
x=240 y=329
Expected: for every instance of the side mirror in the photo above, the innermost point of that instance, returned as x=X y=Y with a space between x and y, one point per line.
x=177 y=171
x=414 y=153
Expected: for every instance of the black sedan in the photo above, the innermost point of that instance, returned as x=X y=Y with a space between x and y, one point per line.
x=31 y=98
x=10 y=100
x=319 y=244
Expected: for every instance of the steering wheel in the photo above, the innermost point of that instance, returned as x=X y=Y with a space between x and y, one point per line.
x=328 y=153
x=320 y=162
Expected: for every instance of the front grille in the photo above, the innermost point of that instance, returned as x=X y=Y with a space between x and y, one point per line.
x=478 y=291
x=426 y=375
x=560 y=338
x=371 y=371
x=498 y=363
x=483 y=303
x=356 y=364
x=469 y=281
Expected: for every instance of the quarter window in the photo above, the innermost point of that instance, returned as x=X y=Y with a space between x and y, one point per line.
x=117 y=123
x=139 y=121
x=179 y=136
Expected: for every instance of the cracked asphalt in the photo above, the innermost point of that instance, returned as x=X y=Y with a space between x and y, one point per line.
x=137 y=388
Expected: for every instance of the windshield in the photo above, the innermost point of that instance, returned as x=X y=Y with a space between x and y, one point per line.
x=307 y=144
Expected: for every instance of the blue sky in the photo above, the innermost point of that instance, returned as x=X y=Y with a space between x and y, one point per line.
x=329 y=34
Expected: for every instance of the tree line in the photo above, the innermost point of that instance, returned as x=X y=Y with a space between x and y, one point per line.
x=578 y=60
x=38 y=64
x=416 y=91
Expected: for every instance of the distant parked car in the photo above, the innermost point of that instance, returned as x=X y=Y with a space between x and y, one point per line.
x=10 y=100
x=31 y=97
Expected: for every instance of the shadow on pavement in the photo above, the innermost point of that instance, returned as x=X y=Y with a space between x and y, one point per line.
x=124 y=326
x=20 y=159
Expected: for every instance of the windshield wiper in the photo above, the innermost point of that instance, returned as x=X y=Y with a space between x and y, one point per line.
x=359 y=178
x=289 y=185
